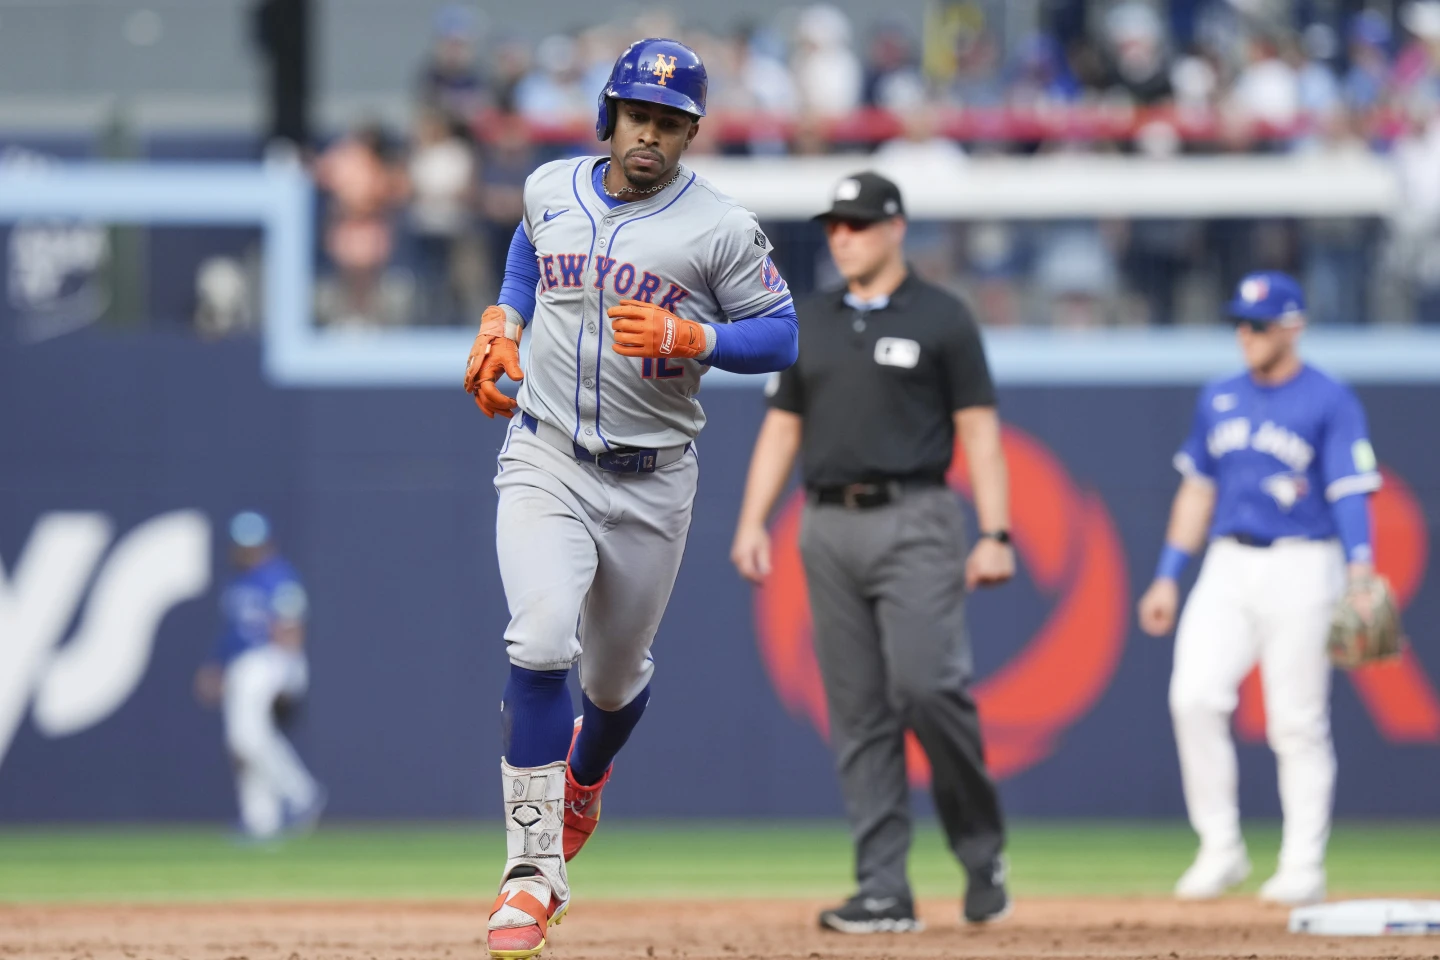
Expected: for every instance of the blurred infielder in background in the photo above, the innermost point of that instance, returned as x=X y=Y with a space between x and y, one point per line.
x=597 y=475
x=1277 y=467
x=259 y=674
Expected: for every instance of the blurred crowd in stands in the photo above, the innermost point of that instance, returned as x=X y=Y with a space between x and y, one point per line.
x=416 y=231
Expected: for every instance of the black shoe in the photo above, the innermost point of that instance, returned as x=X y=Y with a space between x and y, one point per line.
x=986 y=899
x=861 y=914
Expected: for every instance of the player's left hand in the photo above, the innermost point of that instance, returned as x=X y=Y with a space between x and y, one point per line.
x=990 y=563
x=645 y=330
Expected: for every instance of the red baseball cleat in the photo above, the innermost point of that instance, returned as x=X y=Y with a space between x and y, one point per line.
x=582 y=804
x=526 y=920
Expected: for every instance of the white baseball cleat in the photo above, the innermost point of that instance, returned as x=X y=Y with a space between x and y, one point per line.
x=1295 y=887
x=534 y=890
x=1212 y=874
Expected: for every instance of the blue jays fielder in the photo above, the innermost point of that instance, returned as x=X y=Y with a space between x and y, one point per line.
x=1278 y=466
x=632 y=276
x=260 y=661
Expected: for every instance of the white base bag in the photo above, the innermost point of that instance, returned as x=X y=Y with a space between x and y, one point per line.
x=1368 y=918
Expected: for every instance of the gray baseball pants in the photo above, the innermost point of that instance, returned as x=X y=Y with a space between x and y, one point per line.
x=887 y=595
x=588 y=559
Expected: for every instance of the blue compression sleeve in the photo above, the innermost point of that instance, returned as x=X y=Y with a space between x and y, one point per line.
x=757 y=345
x=1352 y=519
x=536 y=718
x=522 y=275
x=602 y=735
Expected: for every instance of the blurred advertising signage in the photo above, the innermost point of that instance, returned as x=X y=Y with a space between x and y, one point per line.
x=54 y=267
x=71 y=684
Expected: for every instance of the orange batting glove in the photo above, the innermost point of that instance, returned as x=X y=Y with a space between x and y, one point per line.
x=645 y=330
x=495 y=352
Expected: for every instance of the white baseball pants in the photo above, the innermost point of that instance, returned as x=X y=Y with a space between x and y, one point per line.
x=269 y=777
x=1270 y=605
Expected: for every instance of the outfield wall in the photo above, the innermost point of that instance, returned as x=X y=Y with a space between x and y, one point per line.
x=126 y=455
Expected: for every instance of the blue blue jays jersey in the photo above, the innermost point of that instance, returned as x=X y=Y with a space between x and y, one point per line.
x=255 y=602
x=1279 y=456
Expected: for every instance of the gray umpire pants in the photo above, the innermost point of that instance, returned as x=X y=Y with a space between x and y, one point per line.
x=887 y=595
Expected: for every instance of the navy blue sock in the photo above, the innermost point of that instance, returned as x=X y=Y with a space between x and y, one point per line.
x=536 y=718
x=602 y=735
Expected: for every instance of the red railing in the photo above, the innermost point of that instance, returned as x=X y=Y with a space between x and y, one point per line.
x=1068 y=123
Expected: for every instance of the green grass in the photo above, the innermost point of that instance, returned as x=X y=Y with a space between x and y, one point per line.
x=781 y=858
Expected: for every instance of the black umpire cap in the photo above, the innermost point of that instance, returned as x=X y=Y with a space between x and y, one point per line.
x=864 y=196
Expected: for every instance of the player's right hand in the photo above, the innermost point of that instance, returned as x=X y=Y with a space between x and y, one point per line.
x=751 y=553
x=1157 y=608
x=492 y=354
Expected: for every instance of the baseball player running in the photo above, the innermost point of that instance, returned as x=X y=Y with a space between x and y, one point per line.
x=260 y=665
x=632 y=276
x=1277 y=467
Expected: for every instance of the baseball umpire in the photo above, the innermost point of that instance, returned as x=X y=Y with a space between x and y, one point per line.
x=890 y=370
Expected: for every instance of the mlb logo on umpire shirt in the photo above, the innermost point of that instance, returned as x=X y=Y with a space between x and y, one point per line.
x=897 y=352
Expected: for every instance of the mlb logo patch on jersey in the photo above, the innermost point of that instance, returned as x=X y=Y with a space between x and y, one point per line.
x=897 y=352
x=770 y=276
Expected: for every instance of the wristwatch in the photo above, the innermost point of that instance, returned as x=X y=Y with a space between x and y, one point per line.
x=999 y=536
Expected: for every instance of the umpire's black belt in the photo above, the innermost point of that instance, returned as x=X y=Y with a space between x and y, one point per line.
x=615 y=460
x=866 y=496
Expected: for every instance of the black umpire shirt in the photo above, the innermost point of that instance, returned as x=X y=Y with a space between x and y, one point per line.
x=878 y=388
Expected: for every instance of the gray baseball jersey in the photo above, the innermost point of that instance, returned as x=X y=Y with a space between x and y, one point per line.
x=688 y=248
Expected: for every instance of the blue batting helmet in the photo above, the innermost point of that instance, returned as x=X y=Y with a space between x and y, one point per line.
x=655 y=70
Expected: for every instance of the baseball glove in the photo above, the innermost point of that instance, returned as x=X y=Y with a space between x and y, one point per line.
x=1366 y=624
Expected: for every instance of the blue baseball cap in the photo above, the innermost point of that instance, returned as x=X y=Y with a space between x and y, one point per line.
x=249 y=529
x=1267 y=295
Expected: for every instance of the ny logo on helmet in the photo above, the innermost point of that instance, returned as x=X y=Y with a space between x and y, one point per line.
x=664 y=70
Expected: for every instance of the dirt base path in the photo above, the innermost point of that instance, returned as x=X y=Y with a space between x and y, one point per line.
x=1237 y=929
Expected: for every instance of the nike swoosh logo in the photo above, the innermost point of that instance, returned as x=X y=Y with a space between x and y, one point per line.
x=551 y=216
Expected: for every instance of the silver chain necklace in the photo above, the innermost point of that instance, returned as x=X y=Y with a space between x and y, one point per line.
x=604 y=185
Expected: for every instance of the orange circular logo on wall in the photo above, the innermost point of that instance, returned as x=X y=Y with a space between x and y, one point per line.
x=1067 y=541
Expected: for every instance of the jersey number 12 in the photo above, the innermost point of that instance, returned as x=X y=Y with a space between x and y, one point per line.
x=660 y=369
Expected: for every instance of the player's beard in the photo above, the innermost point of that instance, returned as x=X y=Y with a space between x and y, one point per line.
x=642 y=180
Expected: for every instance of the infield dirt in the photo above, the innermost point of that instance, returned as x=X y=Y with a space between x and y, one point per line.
x=1236 y=929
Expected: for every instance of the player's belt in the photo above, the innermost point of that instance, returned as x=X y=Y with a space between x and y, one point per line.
x=864 y=496
x=616 y=460
x=1250 y=540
